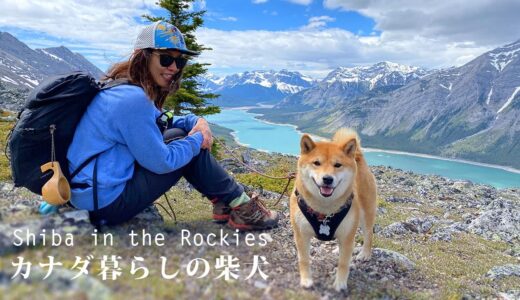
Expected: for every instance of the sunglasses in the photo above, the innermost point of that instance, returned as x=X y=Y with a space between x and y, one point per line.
x=167 y=60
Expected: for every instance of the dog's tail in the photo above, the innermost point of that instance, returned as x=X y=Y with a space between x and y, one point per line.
x=345 y=135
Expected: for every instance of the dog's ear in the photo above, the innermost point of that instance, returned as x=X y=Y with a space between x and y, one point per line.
x=350 y=148
x=306 y=144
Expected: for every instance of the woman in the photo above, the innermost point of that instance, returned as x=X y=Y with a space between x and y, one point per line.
x=133 y=165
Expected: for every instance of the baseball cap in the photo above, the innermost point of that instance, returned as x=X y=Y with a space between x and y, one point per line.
x=162 y=35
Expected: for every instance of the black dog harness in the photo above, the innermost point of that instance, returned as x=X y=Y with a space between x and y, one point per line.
x=324 y=225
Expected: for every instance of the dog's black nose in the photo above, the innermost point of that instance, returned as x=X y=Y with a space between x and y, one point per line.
x=328 y=179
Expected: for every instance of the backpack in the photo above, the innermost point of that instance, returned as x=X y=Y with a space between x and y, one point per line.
x=46 y=126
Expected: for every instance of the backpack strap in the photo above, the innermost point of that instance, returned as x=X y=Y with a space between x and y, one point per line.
x=113 y=83
x=95 y=186
x=83 y=165
x=94 y=180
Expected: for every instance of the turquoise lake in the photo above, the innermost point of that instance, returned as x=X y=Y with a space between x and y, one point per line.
x=270 y=137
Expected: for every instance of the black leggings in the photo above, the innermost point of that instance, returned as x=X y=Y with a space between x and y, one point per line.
x=203 y=172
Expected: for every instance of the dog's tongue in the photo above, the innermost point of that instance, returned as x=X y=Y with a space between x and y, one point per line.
x=326 y=191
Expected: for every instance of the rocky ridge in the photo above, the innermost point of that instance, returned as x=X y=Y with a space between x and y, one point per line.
x=427 y=230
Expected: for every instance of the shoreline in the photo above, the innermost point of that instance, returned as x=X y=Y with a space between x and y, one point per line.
x=429 y=156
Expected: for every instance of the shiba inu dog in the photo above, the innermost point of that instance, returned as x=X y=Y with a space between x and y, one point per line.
x=334 y=191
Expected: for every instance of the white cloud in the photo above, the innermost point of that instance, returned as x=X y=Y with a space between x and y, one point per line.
x=259 y=1
x=230 y=19
x=268 y=12
x=318 y=51
x=301 y=2
x=483 y=22
x=440 y=34
x=318 y=22
x=107 y=26
x=197 y=5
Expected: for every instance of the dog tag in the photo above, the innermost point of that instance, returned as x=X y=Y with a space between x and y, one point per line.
x=324 y=229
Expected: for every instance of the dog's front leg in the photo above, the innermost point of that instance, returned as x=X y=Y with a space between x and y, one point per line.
x=303 y=246
x=346 y=246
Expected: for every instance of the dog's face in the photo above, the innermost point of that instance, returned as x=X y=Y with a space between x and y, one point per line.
x=327 y=169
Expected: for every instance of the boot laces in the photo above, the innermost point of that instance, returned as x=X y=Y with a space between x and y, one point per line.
x=258 y=203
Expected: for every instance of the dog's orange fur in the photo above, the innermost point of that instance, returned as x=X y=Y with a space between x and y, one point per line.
x=344 y=150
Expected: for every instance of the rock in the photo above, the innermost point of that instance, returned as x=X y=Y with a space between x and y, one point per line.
x=510 y=295
x=441 y=236
x=7 y=119
x=381 y=210
x=514 y=252
x=499 y=272
x=74 y=222
x=260 y=284
x=402 y=200
x=60 y=280
x=415 y=225
x=421 y=225
x=394 y=229
x=231 y=165
x=409 y=182
x=445 y=233
x=501 y=204
x=502 y=220
x=150 y=214
x=7 y=186
x=387 y=260
x=246 y=157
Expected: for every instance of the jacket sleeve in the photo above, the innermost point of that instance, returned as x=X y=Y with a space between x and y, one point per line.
x=186 y=122
x=135 y=121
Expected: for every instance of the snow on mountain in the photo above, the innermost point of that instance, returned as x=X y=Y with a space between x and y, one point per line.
x=347 y=84
x=383 y=73
x=285 y=81
x=22 y=68
x=468 y=112
x=252 y=87
x=501 y=57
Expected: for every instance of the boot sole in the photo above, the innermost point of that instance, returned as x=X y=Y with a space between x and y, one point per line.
x=220 y=219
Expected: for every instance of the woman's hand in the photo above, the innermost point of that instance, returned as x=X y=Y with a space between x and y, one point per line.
x=203 y=127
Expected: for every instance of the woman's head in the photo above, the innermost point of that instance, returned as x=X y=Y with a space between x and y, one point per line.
x=156 y=64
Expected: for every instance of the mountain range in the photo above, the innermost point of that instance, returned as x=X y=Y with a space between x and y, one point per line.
x=350 y=83
x=251 y=88
x=470 y=112
x=22 y=68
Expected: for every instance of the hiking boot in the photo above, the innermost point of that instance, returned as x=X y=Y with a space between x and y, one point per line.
x=253 y=215
x=221 y=211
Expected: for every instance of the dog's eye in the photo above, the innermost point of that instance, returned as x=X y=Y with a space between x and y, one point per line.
x=317 y=163
x=337 y=165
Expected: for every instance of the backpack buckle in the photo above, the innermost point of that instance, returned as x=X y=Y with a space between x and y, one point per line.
x=165 y=120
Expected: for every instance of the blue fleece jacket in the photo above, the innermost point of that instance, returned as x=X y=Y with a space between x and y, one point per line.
x=120 y=124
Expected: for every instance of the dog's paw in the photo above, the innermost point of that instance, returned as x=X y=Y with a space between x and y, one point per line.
x=364 y=255
x=340 y=285
x=306 y=282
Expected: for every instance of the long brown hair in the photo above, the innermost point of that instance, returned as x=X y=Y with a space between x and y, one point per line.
x=136 y=71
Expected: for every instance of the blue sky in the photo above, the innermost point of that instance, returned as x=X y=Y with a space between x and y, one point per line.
x=310 y=36
x=280 y=15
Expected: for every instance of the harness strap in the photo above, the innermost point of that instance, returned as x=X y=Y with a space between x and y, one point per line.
x=324 y=226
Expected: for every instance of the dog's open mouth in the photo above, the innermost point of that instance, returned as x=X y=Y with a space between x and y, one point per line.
x=326 y=191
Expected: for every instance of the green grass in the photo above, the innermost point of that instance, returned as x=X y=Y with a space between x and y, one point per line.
x=457 y=267
x=5 y=171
